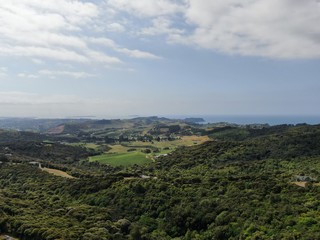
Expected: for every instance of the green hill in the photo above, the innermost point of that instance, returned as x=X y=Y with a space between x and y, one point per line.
x=223 y=189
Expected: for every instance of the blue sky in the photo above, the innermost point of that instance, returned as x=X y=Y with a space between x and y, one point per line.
x=114 y=58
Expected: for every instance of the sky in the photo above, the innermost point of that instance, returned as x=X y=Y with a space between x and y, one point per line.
x=118 y=58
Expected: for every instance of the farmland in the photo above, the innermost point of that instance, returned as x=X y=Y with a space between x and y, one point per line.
x=130 y=153
x=122 y=159
x=241 y=188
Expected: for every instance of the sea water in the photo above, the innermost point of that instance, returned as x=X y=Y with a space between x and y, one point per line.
x=255 y=119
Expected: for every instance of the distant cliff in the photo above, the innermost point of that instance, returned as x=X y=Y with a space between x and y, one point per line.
x=194 y=120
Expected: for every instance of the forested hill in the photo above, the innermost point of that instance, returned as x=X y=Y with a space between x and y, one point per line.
x=278 y=142
x=262 y=186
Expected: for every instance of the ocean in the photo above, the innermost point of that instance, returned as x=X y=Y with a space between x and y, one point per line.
x=252 y=119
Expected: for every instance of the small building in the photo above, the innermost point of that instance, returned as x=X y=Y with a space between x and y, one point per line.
x=162 y=155
x=35 y=164
x=302 y=178
x=145 y=177
x=303 y=181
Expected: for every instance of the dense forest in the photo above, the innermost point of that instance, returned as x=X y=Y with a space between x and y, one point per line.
x=240 y=185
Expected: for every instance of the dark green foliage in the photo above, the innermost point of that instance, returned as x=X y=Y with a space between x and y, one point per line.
x=292 y=142
x=55 y=152
x=231 y=189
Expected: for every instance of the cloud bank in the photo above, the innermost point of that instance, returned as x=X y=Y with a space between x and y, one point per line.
x=273 y=28
x=59 y=30
x=119 y=50
x=65 y=30
x=279 y=29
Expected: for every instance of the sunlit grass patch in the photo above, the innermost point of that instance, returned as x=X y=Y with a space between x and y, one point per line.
x=122 y=159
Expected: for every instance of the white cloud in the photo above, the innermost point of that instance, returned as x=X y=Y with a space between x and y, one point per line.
x=107 y=42
x=63 y=12
x=121 y=69
x=25 y=75
x=37 y=61
x=102 y=58
x=275 y=29
x=40 y=29
x=129 y=52
x=115 y=27
x=147 y=8
x=60 y=54
x=54 y=74
x=160 y=26
x=280 y=29
x=3 y=72
x=54 y=30
x=137 y=53
x=68 y=30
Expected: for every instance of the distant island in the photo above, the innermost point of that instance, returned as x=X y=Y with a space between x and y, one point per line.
x=194 y=120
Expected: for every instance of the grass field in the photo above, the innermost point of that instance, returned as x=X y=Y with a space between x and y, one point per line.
x=118 y=149
x=118 y=155
x=172 y=145
x=86 y=145
x=57 y=172
x=121 y=159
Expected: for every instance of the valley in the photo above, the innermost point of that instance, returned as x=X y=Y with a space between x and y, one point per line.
x=161 y=179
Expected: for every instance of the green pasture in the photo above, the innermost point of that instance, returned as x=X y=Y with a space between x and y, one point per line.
x=121 y=159
x=86 y=145
x=120 y=155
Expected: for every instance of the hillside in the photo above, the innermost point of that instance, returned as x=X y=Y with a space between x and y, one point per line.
x=226 y=188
